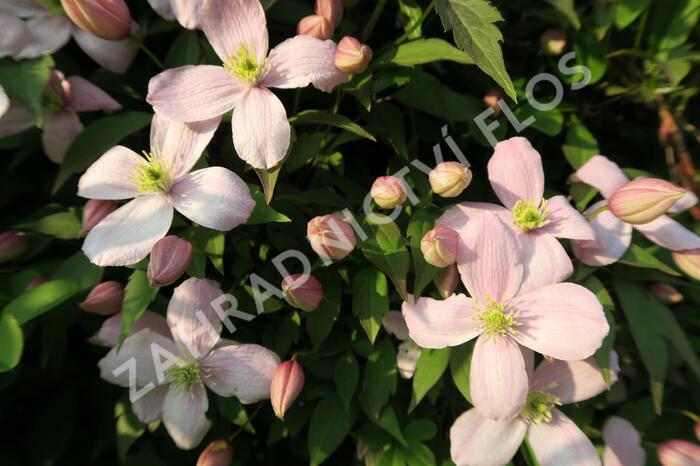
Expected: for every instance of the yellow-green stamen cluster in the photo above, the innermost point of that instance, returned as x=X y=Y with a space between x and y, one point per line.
x=538 y=407
x=528 y=216
x=185 y=375
x=244 y=65
x=494 y=320
x=153 y=175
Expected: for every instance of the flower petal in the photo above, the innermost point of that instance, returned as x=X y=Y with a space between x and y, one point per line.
x=261 y=132
x=15 y=120
x=22 y=8
x=4 y=101
x=545 y=260
x=304 y=60
x=213 y=197
x=149 y=407
x=603 y=174
x=112 y=55
x=193 y=93
x=407 y=358
x=669 y=234
x=234 y=24
x=613 y=238
x=186 y=12
x=498 y=378
x=395 y=324
x=127 y=235
x=49 y=33
x=436 y=323
x=478 y=440
x=184 y=415
x=688 y=200
x=458 y=217
x=566 y=222
x=83 y=96
x=108 y=334
x=563 y=320
x=111 y=176
x=515 y=172
x=622 y=444
x=14 y=35
x=561 y=443
x=60 y=130
x=243 y=371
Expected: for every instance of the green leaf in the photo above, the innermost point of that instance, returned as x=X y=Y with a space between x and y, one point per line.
x=80 y=270
x=471 y=23
x=602 y=356
x=40 y=299
x=637 y=256
x=421 y=222
x=268 y=179
x=420 y=430
x=421 y=51
x=411 y=13
x=549 y=122
x=676 y=336
x=56 y=221
x=672 y=22
x=380 y=377
x=263 y=213
x=590 y=53
x=460 y=366
x=387 y=420
x=430 y=367
x=320 y=117
x=385 y=249
x=370 y=301
x=580 y=145
x=566 y=8
x=626 y=11
x=137 y=296
x=96 y=139
x=11 y=342
x=128 y=429
x=184 y=51
x=329 y=425
x=26 y=81
x=346 y=376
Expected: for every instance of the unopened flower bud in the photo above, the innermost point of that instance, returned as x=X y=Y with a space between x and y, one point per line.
x=330 y=237
x=106 y=19
x=665 y=292
x=388 y=192
x=439 y=246
x=104 y=299
x=302 y=291
x=332 y=10
x=492 y=97
x=170 y=258
x=315 y=26
x=407 y=358
x=12 y=245
x=352 y=56
x=643 y=200
x=553 y=41
x=678 y=453
x=446 y=281
x=287 y=382
x=95 y=210
x=217 y=453
x=34 y=282
x=449 y=179
x=697 y=429
x=688 y=261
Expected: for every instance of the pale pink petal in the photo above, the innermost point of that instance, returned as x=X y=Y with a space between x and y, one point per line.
x=83 y=96
x=436 y=323
x=49 y=33
x=515 y=172
x=669 y=234
x=489 y=259
x=498 y=377
x=113 y=55
x=572 y=381
x=458 y=217
x=14 y=35
x=213 y=197
x=475 y=440
x=184 y=415
x=163 y=8
x=566 y=222
x=304 y=60
x=243 y=371
x=622 y=444
x=395 y=324
x=194 y=323
x=603 y=174
x=128 y=234
x=22 y=8
x=261 y=132
x=233 y=25
x=186 y=12
x=149 y=407
x=112 y=176
x=563 y=320
x=613 y=238
x=545 y=260
x=60 y=130
x=688 y=200
x=561 y=443
x=180 y=144
x=108 y=334
x=15 y=120
x=194 y=93
x=4 y=102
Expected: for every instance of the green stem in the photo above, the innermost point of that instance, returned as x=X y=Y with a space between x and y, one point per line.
x=595 y=213
x=416 y=24
x=247 y=423
x=640 y=29
x=373 y=20
x=147 y=51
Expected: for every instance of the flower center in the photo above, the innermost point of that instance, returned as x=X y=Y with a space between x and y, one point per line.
x=496 y=321
x=528 y=216
x=184 y=376
x=152 y=175
x=538 y=407
x=244 y=65
x=51 y=101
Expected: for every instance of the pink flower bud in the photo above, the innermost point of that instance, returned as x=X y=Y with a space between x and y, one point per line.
x=170 y=258
x=352 y=56
x=439 y=246
x=332 y=10
x=95 y=210
x=678 y=453
x=12 y=245
x=104 y=299
x=315 y=26
x=217 y=453
x=106 y=19
x=330 y=237
x=665 y=292
x=645 y=199
x=388 y=192
x=492 y=97
x=688 y=261
x=287 y=382
x=34 y=282
x=449 y=179
x=302 y=291
x=447 y=280
x=697 y=429
x=553 y=41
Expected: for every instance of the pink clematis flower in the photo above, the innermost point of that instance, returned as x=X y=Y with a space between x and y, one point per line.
x=47 y=29
x=622 y=444
x=615 y=236
x=561 y=320
x=178 y=369
x=185 y=11
x=63 y=99
x=238 y=32
x=554 y=438
x=516 y=175
x=4 y=102
x=213 y=197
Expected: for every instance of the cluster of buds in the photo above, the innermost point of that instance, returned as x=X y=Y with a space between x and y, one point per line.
x=449 y=179
x=106 y=19
x=287 y=382
x=104 y=299
x=322 y=24
x=330 y=237
x=643 y=200
x=439 y=246
x=388 y=192
x=302 y=291
x=170 y=258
